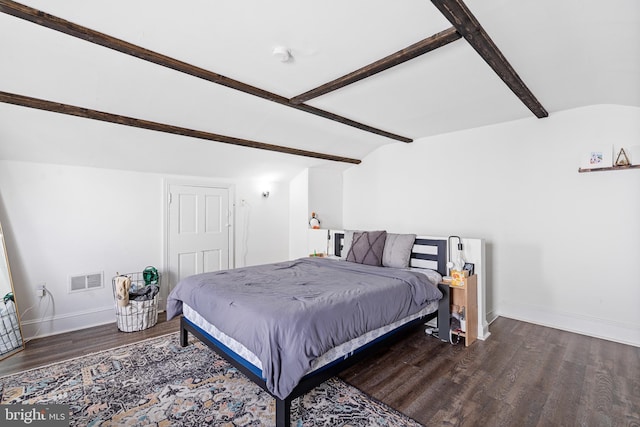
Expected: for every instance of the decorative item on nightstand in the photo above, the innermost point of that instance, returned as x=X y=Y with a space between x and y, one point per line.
x=469 y=267
x=314 y=222
x=457 y=262
x=458 y=278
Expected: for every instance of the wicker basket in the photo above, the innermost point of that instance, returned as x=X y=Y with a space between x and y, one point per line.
x=137 y=315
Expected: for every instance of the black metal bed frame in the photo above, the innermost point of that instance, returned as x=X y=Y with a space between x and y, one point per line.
x=308 y=382
x=314 y=379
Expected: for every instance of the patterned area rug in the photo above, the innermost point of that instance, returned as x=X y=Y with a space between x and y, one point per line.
x=157 y=382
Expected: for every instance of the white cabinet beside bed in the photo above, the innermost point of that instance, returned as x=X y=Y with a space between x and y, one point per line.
x=317 y=241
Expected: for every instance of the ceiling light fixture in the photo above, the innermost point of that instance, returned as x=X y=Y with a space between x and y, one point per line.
x=282 y=53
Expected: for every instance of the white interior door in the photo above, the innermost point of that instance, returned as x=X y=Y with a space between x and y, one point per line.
x=199 y=231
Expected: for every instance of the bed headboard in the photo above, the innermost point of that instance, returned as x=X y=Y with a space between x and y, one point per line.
x=426 y=253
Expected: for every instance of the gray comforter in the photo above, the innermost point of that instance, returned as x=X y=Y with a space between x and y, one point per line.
x=292 y=312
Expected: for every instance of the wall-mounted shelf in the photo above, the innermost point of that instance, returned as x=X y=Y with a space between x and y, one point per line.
x=610 y=168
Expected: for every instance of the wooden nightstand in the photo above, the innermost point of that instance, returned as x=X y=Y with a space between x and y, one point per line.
x=462 y=296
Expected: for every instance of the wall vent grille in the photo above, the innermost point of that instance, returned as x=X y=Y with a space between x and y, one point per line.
x=86 y=282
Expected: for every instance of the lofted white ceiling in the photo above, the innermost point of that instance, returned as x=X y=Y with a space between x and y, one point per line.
x=569 y=53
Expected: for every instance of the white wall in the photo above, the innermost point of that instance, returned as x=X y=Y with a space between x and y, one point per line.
x=65 y=220
x=298 y=214
x=558 y=242
x=316 y=190
x=325 y=196
x=262 y=224
x=561 y=245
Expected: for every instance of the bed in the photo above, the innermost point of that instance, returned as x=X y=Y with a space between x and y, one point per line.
x=290 y=326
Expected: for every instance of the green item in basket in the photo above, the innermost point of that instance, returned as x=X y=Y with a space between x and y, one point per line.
x=150 y=276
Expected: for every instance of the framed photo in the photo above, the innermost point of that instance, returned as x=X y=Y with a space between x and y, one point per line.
x=469 y=267
x=598 y=157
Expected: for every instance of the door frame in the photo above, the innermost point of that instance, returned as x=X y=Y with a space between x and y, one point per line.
x=167 y=183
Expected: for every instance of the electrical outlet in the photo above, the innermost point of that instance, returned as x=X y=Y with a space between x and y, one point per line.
x=41 y=288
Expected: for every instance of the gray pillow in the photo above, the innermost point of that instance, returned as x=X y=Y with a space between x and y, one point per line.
x=397 y=250
x=367 y=247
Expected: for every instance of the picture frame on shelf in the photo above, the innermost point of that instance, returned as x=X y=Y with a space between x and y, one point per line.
x=598 y=157
x=469 y=267
x=611 y=159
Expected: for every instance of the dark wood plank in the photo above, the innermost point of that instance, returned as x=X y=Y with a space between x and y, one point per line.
x=524 y=374
x=75 y=30
x=417 y=49
x=564 y=397
x=607 y=370
x=56 y=348
x=608 y=168
x=597 y=398
x=468 y=26
x=72 y=110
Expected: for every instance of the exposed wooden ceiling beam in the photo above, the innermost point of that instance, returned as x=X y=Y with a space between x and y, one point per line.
x=468 y=26
x=420 y=48
x=52 y=22
x=72 y=110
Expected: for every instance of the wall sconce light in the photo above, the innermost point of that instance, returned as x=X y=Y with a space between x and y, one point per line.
x=265 y=194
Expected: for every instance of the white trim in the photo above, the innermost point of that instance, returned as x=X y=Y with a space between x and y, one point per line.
x=491 y=316
x=53 y=325
x=625 y=333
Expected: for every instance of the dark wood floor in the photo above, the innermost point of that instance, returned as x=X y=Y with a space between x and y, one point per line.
x=44 y=351
x=523 y=375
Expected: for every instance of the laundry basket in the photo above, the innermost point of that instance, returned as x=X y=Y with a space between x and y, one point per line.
x=136 y=315
x=10 y=337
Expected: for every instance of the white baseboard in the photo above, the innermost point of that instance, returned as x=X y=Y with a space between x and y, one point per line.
x=491 y=316
x=607 y=329
x=483 y=332
x=586 y=325
x=59 y=324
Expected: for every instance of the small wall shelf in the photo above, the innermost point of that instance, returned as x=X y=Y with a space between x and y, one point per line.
x=610 y=168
